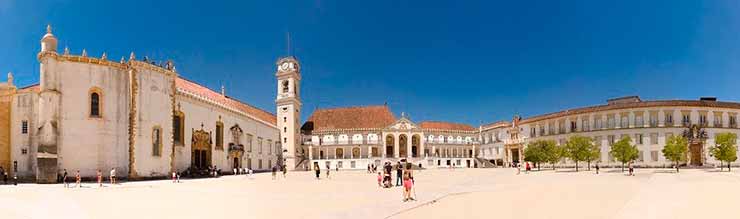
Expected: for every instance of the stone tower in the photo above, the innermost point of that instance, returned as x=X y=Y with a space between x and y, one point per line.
x=48 y=117
x=288 y=103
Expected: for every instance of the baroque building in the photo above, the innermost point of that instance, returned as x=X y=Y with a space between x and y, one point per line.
x=648 y=123
x=138 y=116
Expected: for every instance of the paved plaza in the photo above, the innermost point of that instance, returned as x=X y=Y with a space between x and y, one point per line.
x=460 y=193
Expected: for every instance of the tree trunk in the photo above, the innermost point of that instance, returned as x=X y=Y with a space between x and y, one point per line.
x=720 y=166
x=622 y=166
x=576 y=165
x=677 y=167
x=538 y=166
x=589 y=166
x=728 y=167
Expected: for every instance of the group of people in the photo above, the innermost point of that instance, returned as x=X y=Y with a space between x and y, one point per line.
x=404 y=177
x=281 y=168
x=317 y=170
x=78 y=178
x=5 y=177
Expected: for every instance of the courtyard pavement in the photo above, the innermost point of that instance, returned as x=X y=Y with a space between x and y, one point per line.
x=441 y=193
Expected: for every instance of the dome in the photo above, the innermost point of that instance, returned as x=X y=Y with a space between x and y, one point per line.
x=48 y=42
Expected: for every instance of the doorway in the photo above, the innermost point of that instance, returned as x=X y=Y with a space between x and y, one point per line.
x=696 y=154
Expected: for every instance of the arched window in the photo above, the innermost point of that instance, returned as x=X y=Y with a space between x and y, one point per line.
x=96 y=97
x=219 y=135
x=178 y=128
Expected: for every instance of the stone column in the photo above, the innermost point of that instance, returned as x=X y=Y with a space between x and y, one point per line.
x=310 y=152
x=396 y=146
x=369 y=151
x=434 y=148
x=408 y=146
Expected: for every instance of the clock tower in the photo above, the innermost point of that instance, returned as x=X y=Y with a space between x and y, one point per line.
x=288 y=104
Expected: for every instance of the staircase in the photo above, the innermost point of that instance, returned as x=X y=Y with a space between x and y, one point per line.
x=483 y=163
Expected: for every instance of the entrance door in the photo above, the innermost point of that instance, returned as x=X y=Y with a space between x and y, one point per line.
x=236 y=163
x=515 y=155
x=696 y=152
x=468 y=162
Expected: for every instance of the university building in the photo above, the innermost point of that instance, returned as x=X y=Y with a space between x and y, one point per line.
x=144 y=119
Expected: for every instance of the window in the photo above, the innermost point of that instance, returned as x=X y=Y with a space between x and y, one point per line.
x=598 y=124
x=532 y=132
x=653 y=138
x=269 y=163
x=639 y=120
x=178 y=128
x=703 y=119
x=561 y=127
x=573 y=126
x=640 y=156
x=686 y=119
x=157 y=141
x=269 y=146
x=259 y=146
x=610 y=139
x=718 y=119
x=24 y=127
x=625 y=121
x=542 y=130
x=584 y=125
x=653 y=119
x=669 y=118
x=733 y=121
x=24 y=151
x=610 y=123
x=654 y=156
x=94 y=104
x=259 y=163
x=551 y=128
x=219 y=136
x=638 y=138
x=249 y=143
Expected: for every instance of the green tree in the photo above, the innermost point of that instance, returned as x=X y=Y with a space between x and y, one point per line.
x=549 y=151
x=623 y=151
x=676 y=149
x=578 y=148
x=594 y=154
x=725 y=149
x=535 y=153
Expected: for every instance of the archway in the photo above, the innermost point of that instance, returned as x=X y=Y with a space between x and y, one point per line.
x=415 y=141
x=355 y=153
x=402 y=144
x=389 y=143
x=339 y=153
x=201 y=149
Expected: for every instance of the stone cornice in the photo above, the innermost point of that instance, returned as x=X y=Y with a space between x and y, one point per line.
x=207 y=100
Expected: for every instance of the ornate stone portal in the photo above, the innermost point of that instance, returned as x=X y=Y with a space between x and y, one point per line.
x=201 y=149
x=236 y=149
x=696 y=137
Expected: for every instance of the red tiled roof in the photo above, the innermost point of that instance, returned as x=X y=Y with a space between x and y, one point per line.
x=31 y=88
x=446 y=126
x=200 y=90
x=349 y=118
x=642 y=104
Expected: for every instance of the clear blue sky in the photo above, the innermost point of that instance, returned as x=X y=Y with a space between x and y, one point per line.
x=461 y=61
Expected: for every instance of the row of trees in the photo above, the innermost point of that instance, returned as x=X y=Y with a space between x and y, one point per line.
x=582 y=149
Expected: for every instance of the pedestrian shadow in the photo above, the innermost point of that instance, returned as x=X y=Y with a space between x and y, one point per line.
x=714 y=170
x=664 y=171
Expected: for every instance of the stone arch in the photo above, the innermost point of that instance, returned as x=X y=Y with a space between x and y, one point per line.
x=415 y=145
x=339 y=153
x=390 y=142
x=356 y=152
x=403 y=142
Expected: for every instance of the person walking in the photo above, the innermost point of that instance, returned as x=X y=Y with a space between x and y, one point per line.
x=64 y=179
x=328 y=169
x=399 y=174
x=518 y=168
x=380 y=178
x=285 y=172
x=99 y=176
x=597 y=168
x=78 y=179
x=631 y=169
x=112 y=176
x=5 y=177
x=317 y=170
x=274 y=172
x=407 y=185
x=527 y=168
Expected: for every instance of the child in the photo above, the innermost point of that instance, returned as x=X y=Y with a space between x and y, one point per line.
x=100 y=178
x=407 y=184
x=64 y=179
x=380 y=178
x=174 y=177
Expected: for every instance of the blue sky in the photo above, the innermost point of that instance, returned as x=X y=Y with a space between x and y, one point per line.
x=461 y=61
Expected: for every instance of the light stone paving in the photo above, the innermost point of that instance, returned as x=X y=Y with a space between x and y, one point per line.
x=460 y=193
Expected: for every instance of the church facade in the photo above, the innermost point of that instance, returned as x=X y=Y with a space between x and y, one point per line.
x=139 y=117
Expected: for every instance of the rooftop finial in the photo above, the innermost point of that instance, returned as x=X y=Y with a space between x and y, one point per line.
x=132 y=57
x=104 y=56
x=48 y=28
x=66 y=51
x=84 y=53
x=10 y=78
x=122 y=60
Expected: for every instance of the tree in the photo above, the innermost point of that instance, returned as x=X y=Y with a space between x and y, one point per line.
x=725 y=148
x=535 y=153
x=547 y=150
x=676 y=149
x=594 y=154
x=623 y=151
x=578 y=148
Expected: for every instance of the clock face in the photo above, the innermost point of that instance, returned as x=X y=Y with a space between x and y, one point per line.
x=286 y=66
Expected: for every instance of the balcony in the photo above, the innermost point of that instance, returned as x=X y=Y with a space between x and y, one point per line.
x=234 y=147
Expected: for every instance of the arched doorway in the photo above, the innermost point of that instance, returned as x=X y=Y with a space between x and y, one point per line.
x=201 y=149
x=355 y=153
x=415 y=141
x=402 y=144
x=389 y=143
x=339 y=153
